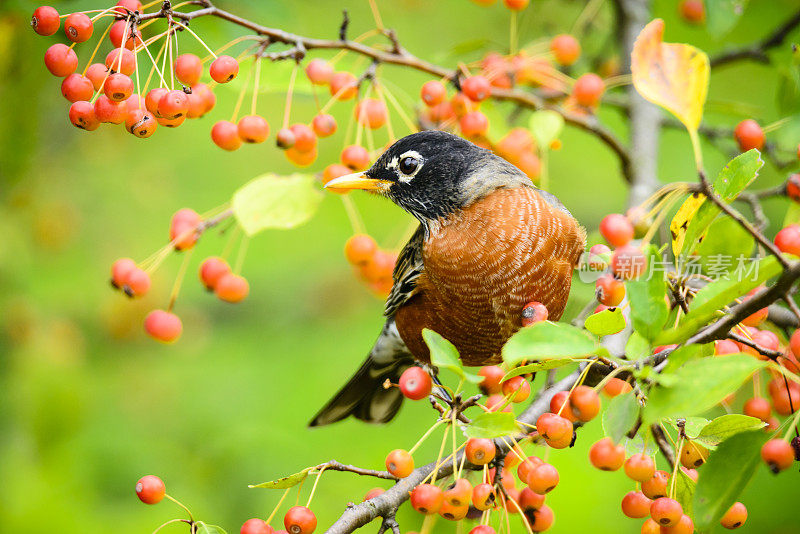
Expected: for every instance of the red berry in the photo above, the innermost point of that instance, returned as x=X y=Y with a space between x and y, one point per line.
x=45 y=20
x=534 y=312
x=415 y=383
x=225 y=135
x=616 y=229
x=360 y=249
x=734 y=517
x=97 y=73
x=665 y=511
x=788 y=240
x=749 y=135
x=683 y=526
x=224 y=69
x=78 y=27
x=81 y=115
x=640 y=467
x=725 y=346
x=106 y=110
x=150 y=489
x=371 y=113
x=553 y=427
x=480 y=451
x=188 y=69
x=541 y=519
x=121 y=30
x=118 y=87
x=609 y=291
x=60 y=60
x=125 y=7
x=211 y=270
x=757 y=407
x=616 y=386
x=650 y=526
x=183 y=228
x=636 y=505
x=543 y=478
x=304 y=138
x=121 y=60
x=433 y=92
x=517 y=388
x=778 y=455
x=319 y=71
x=343 y=85
x=585 y=403
x=374 y=492
x=692 y=11
x=152 y=98
x=299 y=520
x=253 y=129
x=657 y=486
x=232 y=288
x=356 y=157
x=516 y=5
x=566 y=49
x=285 y=138
x=588 y=90
x=173 y=105
x=628 y=262
x=256 y=526
x=427 y=499
x=483 y=529
x=120 y=270
x=483 y=496
x=76 y=87
x=171 y=123
x=324 y=125
x=606 y=456
x=793 y=184
x=477 y=88
x=473 y=124
x=492 y=375
x=399 y=463
x=459 y=493
x=141 y=123
x=530 y=500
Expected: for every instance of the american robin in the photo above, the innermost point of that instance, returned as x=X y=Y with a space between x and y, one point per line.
x=488 y=243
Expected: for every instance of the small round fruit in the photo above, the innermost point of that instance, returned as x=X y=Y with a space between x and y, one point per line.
x=777 y=454
x=554 y=427
x=106 y=110
x=609 y=291
x=734 y=517
x=188 y=69
x=118 y=87
x=492 y=375
x=415 y=383
x=588 y=90
x=82 y=115
x=477 y=88
x=224 y=69
x=635 y=505
x=319 y=71
x=692 y=11
x=640 y=467
x=173 y=105
x=433 y=92
x=305 y=140
x=693 y=454
x=163 y=326
x=628 y=262
x=793 y=184
x=758 y=407
x=360 y=249
x=45 y=20
x=517 y=388
x=356 y=157
x=541 y=519
x=606 y=456
x=616 y=229
x=427 y=499
x=473 y=124
x=371 y=113
x=343 y=85
x=543 y=478
x=76 y=87
x=97 y=75
x=616 y=386
x=225 y=135
x=566 y=49
x=324 y=125
x=585 y=403
x=788 y=240
x=60 y=60
x=665 y=511
x=399 y=463
x=299 y=520
x=459 y=493
x=657 y=486
x=141 y=123
x=253 y=129
x=211 y=270
x=749 y=135
x=483 y=496
x=231 y=288
x=121 y=60
x=78 y=27
x=374 y=492
x=121 y=30
x=534 y=312
x=136 y=283
x=255 y=526
x=150 y=489
x=480 y=451
x=285 y=138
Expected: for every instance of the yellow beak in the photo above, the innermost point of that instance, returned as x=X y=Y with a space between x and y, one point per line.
x=358 y=180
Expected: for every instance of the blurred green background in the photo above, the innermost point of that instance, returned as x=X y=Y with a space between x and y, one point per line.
x=88 y=404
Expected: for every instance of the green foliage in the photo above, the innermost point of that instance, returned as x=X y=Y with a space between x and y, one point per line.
x=699 y=385
x=535 y=367
x=649 y=309
x=546 y=126
x=684 y=491
x=285 y=482
x=620 y=416
x=605 y=322
x=725 y=475
x=723 y=15
x=546 y=340
x=203 y=528
x=444 y=355
x=725 y=426
x=492 y=425
x=272 y=201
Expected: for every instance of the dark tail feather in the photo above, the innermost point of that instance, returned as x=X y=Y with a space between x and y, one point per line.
x=364 y=396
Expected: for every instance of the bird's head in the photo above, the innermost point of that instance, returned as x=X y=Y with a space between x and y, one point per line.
x=432 y=174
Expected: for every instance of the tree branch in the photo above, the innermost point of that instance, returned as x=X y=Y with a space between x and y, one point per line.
x=758 y=51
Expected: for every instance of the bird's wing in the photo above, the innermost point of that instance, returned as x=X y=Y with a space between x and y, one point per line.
x=406 y=271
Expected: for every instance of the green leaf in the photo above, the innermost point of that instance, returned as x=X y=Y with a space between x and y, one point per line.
x=725 y=241
x=699 y=385
x=684 y=491
x=726 y=426
x=722 y=15
x=203 y=528
x=691 y=425
x=725 y=475
x=491 y=425
x=686 y=353
x=272 y=201
x=719 y=294
x=637 y=347
x=605 y=322
x=542 y=365
x=285 y=482
x=546 y=341
x=444 y=355
x=620 y=416
x=649 y=308
x=546 y=125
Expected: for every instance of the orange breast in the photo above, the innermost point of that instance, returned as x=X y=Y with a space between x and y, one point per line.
x=483 y=264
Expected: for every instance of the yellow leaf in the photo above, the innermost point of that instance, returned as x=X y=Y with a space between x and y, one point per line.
x=680 y=222
x=671 y=75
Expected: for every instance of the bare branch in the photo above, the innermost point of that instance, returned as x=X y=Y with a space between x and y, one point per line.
x=758 y=50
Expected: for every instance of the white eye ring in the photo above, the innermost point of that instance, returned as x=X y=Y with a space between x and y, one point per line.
x=408 y=165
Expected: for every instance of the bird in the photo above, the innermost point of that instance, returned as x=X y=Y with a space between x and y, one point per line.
x=488 y=243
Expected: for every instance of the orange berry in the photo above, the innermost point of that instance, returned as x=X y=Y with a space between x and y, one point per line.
x=188 y=69
x=319 y=71
x=433 y=92
x=224 y=69
x=480 y=451
x=566 y=49
x=606 y=456
x=400 y=463
x=211 y=270
x=324 y=125
x=640 y=467
x=693 y=454
x=635 y=505
x=657 y=486
x=585 y=403
x=665 y=511
x=356 y=157
x=253 y=129
x=231 y=288
x=749 y=135
x=360 y=249
x=163 y=326
x=225 y=135
x=426 y=498
x=734 y=517
x=588 y=90
x=343 y=85
x=777 y=454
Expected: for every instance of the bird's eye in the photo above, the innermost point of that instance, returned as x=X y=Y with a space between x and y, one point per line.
x=408 y=165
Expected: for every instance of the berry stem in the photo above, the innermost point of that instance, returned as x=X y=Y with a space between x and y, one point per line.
x=255 y=86
x=400 y=111
x=771 y=127
x=241 y=254
x=96 y=48
x=512 y=34
x=176 y=287
x=795 y=419
x=170 y=522
x=240 y=99
x=587 y=14
x=425 y=436
x=314 y=487
x=352 y=213
x=439 y=457
x=187 y=28
x=154 y=67
x=376 y=15
x=176 y=501
x=379 y=90
x=278 y=506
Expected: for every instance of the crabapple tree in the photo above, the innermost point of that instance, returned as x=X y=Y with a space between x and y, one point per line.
x=688 y=355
